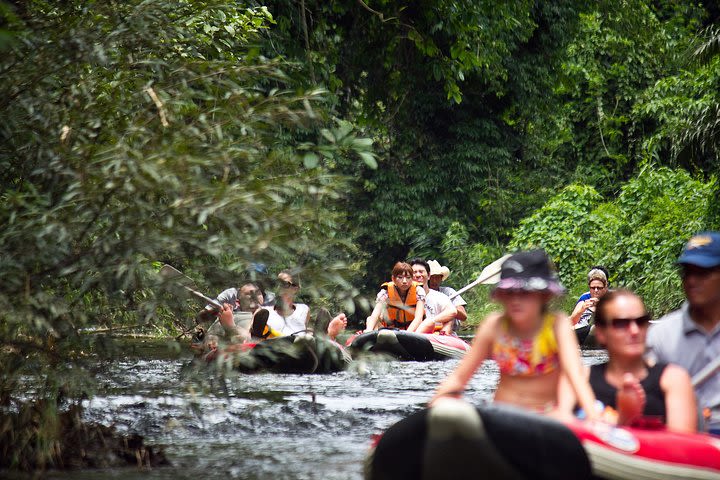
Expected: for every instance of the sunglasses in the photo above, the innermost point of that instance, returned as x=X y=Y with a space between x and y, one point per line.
x=597 y=288
x=286 y=284
x=623 y=323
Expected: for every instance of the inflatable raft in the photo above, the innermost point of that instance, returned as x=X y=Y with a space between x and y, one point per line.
x=582 y=333
x=300 y=352
x=586 y=337
x=456 y=440
x=419 y=347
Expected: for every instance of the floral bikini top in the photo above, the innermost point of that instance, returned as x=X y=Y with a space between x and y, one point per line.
x=527 y=357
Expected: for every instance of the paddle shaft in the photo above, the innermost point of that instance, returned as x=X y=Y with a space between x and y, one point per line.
x=710 y=369
x=204 y=297
x=473 y=284
x=168 y=271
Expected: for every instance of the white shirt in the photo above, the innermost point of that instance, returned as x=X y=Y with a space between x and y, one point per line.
x=436 y=302
x=294 y=322
x=241 y=319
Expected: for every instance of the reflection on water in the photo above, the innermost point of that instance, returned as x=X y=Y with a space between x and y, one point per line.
x=266 y=425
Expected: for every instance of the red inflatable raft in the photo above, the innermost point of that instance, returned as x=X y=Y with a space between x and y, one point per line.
x=456 y=440
x=648 y=453
x=420 y=347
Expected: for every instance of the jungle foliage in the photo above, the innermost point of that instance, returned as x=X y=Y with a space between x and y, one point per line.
x=333 y=138
x=637 y=235
x=138 y=132
x=482 y=111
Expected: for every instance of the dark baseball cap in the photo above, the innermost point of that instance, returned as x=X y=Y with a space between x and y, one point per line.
x=702 y=250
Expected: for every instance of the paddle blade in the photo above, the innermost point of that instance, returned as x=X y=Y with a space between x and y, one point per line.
x=491 y=274
x=171 y=273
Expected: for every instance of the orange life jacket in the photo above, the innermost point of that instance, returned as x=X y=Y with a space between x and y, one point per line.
x=400 y=314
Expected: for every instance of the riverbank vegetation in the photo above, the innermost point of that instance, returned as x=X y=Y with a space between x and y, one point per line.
x=333 y=138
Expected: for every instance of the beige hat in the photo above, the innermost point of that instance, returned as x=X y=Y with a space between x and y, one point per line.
x=436 y=269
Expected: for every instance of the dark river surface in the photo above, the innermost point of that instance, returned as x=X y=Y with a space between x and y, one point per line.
x=264 y=426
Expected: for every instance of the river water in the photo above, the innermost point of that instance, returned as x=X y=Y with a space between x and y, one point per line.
x=264 y=426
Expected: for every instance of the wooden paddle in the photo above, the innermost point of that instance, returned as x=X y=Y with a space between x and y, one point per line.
x=489 y=276
x=172 y=273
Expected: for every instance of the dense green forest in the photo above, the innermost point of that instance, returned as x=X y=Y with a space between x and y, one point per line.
x=334 y=138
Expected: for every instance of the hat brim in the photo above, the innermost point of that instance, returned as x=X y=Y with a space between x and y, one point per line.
x=703 y=261
x=533 y=284
x=444 y=271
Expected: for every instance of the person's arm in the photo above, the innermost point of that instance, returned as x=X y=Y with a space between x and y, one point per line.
x=371 y=323
x=572 y=366
x=566 y=395
x=447 y=315
x=461 y=313
x=575 y=315
x=455 y=383
x=210 y=313
x=680 y=404
x=419 y=314
x=580 y=307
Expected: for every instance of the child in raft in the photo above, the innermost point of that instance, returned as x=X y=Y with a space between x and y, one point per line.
x=532 y=346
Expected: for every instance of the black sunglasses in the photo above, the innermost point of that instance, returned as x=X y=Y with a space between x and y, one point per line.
x=622 y=323
x=286 y=284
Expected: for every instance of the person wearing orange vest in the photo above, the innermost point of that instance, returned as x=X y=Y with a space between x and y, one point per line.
x=399 y=302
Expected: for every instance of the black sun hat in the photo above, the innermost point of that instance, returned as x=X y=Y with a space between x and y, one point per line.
x=532 y=271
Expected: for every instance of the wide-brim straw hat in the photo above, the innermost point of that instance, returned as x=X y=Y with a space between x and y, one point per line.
x=436 y=269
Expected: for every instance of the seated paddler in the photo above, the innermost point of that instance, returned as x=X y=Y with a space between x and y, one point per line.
x=399 y=302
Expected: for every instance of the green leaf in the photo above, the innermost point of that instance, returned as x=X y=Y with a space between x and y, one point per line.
x=369 y=159
x=311 y=160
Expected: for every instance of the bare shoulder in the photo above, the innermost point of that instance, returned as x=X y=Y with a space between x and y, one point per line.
x=675 y=374
x=491 y=323
x=494 y=318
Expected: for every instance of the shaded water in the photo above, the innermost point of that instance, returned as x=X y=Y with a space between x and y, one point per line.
x=265 y=425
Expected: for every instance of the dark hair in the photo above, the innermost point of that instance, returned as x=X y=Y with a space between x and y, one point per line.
x=419 y=261
x=401 y=268
x=600 y=314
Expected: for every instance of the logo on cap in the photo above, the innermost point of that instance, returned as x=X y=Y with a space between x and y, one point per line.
x=699 y=241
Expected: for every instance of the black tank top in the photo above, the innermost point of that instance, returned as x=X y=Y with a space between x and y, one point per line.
x=655 y=397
